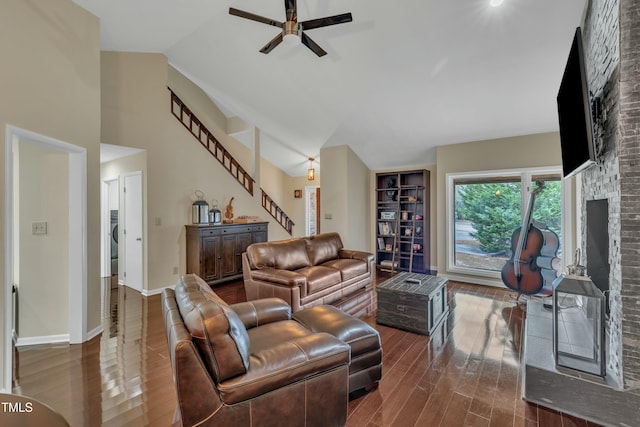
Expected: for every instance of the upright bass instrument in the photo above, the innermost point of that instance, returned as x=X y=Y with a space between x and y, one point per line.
x=533 y=248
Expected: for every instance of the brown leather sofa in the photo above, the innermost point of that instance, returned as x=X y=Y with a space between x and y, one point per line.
x=250 y=364
x=310 y=271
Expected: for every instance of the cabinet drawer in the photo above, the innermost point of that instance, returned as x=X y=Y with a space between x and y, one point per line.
x=236 y=230
x=211 y=231
x=261 y=227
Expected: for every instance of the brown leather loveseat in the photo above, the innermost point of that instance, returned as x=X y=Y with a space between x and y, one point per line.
x=250 y=364
x=310 y=271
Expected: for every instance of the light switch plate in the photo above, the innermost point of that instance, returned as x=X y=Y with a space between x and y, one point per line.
x=39 y=227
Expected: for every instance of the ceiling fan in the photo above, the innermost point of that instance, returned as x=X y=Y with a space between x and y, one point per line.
x=291 y=28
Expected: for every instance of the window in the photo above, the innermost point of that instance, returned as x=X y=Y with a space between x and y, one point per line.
x=485 y=213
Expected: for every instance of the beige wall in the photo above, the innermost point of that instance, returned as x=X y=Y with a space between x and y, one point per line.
x=136 y=113
x=345 y=197
x=358 y=201
x=50 y=84
x=276 y=183
x=539 y=150
x=43 y=260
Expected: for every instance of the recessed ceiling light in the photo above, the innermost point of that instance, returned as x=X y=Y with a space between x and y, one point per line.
x=495 y=3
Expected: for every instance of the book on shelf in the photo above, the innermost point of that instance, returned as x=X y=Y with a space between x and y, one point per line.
x=388 y=263
x=385 y=229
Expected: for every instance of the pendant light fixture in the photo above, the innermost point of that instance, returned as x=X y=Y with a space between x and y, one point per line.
x=311 y=172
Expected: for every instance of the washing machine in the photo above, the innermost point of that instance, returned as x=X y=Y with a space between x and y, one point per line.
x=114 y=242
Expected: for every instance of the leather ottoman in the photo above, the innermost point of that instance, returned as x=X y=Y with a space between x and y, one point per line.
x=365 y=368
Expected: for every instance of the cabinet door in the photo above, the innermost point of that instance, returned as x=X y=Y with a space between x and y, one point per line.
x=244 y=240
x=228 y=261
x=260 y=233
x=210 y=258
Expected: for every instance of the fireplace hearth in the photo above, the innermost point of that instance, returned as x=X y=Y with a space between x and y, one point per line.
x=598 y=399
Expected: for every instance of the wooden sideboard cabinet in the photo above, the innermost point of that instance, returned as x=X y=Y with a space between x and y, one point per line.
x=214 y=252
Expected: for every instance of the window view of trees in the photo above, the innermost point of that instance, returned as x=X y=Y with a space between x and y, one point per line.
x=487 y=213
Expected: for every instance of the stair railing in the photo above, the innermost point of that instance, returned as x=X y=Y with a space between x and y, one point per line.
x=210 y=142
x=276 y=212
x=184 y=115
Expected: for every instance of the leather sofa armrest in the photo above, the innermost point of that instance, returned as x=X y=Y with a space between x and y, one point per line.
x=362 y=256
x=280 y=277
x=262 y=311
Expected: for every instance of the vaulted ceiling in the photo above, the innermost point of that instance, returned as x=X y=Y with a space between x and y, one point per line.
x=404 y=77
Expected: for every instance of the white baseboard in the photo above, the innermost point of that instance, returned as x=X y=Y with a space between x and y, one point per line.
x=95 y=332
x=150 y=292
x=46 y=339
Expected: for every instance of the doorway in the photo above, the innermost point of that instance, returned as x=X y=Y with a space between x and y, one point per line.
x=312 y=210
x=73 y=227
x=110 y=200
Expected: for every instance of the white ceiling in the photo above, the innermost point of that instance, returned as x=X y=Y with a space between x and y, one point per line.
x=404 y=77
x=109 y=152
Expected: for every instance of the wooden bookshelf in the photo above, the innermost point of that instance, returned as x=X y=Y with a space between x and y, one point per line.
x=402 y=221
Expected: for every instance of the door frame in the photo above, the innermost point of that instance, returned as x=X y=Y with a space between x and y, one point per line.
x=77 y=287
x=307 y=215
x=106 y=223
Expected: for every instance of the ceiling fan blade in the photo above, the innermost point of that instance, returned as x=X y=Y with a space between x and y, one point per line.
x=291 y=8
x=272 y=44
x=324 y=22
x=253 y=17
x=306 y=40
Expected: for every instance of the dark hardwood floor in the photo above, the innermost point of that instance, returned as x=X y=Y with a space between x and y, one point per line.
x=466 y=374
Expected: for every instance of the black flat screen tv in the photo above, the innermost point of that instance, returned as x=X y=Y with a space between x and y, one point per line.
x=574 y=113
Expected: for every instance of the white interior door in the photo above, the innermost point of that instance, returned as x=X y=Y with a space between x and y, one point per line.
x=132 y=231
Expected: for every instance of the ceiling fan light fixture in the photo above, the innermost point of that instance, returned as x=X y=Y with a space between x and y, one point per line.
x=293 y=32
x=290 y=31
x=291 y=39
x=495 y=3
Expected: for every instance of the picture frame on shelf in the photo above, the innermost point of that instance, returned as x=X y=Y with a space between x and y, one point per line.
x=381 y=243
x=387 y=215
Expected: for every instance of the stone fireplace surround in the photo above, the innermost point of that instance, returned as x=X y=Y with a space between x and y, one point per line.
x=611 y=39
x=611 y=36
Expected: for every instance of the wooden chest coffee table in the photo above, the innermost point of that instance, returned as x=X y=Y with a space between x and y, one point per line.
x=413 y=302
